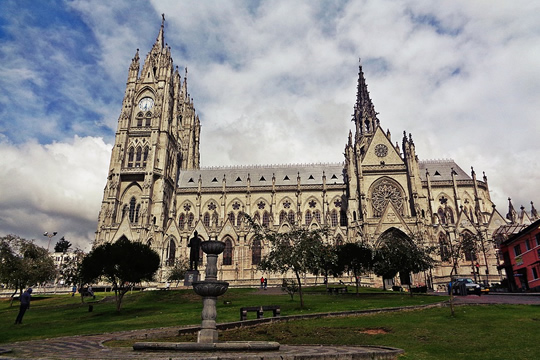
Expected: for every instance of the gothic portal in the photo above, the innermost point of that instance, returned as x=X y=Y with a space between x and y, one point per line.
x=158 y=194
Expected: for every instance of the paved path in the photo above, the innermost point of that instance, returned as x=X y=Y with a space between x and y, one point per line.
x=91 y=346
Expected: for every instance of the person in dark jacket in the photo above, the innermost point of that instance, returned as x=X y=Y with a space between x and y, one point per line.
x=25 y=304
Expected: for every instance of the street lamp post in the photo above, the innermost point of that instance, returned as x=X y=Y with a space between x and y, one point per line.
x=49 y=235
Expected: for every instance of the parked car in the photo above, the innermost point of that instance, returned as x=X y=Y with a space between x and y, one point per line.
x=465 y=286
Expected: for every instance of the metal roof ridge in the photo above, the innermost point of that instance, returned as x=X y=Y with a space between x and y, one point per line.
x=236 y=167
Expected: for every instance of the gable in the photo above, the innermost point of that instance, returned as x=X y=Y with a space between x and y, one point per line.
x=380 y=151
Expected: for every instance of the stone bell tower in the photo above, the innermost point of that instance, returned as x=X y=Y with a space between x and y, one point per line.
x=157 y=137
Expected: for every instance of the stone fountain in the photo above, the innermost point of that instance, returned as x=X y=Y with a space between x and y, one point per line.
x=210 y=289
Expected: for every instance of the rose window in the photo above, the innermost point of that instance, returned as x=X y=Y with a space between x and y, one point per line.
x=286 y=204
x=384 y=193
x=212 y=206
x=236 y=205
x=187 y=207
x=261 y=205
x=337 y=203
x=312 y=203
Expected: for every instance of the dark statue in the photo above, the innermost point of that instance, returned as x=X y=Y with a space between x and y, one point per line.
x=194 y=245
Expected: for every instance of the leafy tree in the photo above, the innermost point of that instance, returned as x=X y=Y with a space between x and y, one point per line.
x=123 y=263
x=400 y=253
x=178 y=271
x=62 y=245
x=327 y=261
x=23 y=263
x=297 y=250
x=355 y=258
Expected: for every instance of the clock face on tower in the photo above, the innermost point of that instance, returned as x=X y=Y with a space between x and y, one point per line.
x=146 y=104
x=381 y=150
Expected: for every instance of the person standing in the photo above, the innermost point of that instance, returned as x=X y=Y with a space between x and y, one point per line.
x=265 y=283
x=25 y=304
x=262 y=282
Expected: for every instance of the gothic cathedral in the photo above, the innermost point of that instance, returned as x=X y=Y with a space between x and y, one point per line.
x=158 y=194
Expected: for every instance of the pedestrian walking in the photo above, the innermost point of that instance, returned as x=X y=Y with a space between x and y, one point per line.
x=265 y=283
x=25 y=305
x=262 y=282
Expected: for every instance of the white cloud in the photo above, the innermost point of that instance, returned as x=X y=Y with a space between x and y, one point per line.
x=275 y=82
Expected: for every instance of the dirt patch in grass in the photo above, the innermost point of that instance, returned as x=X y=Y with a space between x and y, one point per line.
x=374 y=331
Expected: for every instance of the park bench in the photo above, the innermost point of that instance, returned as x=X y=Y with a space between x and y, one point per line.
x=337 y=290
x=276 y=311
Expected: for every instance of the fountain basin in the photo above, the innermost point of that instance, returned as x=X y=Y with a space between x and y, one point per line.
x=210 y=288
x=213 y=247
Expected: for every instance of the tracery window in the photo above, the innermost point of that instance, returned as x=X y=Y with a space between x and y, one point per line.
x=215 y=219
x=138 y=157
x=191 y=217
x=139 y=119
x=228 y=253
x=206 y=219
x=256 y=252
x=239 y=219
x=148 y=119
x=386 y=191
x=231 y=218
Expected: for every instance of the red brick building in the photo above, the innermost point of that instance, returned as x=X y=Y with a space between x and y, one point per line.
x=521 y=254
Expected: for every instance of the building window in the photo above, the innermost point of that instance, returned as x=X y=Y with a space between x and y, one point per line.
x=256 y=252
x=145 y=156
x=139 y=119
x=191 y=217
x=206 y=219
x=266 y=219
x=138 y=157
x=132 y=205
x=317 y=216
x=181 y=221
x=239 y=219
x=171 y=256
x=291 y=217
x=444 y=248
x=343 y=218
x=534 y=273
x=537 y=236
x=131 y=155
x=215 y=219
x=148 y=119
x=334 y=218
x=232 y=218
x=227 y=253
x=308 y=217
x=339 y=240
x=282 y=217
x=528 y=244
x=517 y=250
x=257 y=217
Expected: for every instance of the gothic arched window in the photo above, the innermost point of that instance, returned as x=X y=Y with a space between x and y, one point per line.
x=282 y=217
x=148 y=119
x=206 y=219
x=317 y=216
x=256 y=252
x=266 y=219
x=228 y=253
x=137 y=210
x=307 y=217
x=256 y=217
x=181 y=221
x=191 y=218
x=442 y=216
x=215 y=219
x=171 y=256
x=139 y=119
x=132 y=204
x=138 y=157
x=231 y=217
x=131 y=155
x=334 y=218
x=342 y=218
x=444 y=247
x=239 y=219
x=291 y=217
x=145 y=156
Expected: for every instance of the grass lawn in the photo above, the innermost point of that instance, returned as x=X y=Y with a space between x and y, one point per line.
x=61 y=315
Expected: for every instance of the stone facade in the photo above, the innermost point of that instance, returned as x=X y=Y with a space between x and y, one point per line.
x=157 y=193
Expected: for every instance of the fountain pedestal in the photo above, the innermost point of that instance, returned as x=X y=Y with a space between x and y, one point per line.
x=210 y=289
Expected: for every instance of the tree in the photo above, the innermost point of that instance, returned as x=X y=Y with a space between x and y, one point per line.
x=399 y=253
x=327 y=262
x=62 y=245
x=23 y=263
x=178 y=271
x=297 y=250
x=123 y=263
x=355 y=258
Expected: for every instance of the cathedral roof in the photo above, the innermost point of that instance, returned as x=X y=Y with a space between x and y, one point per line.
x=441 y=170
x=310 y=174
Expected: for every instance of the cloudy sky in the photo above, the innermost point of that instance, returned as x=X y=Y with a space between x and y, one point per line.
x=274 y=82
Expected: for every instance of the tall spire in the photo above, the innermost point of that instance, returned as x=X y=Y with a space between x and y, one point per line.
x=160 y=41
x=364 y=116
x=512 y=214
